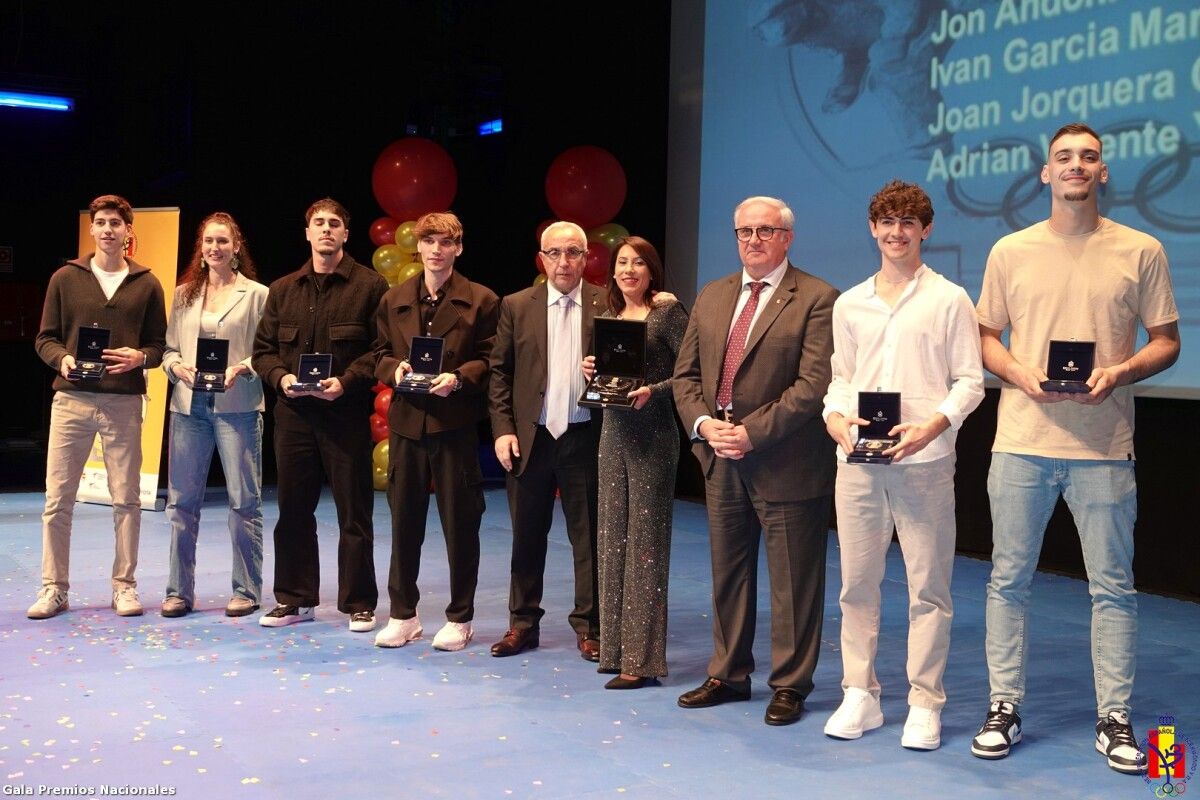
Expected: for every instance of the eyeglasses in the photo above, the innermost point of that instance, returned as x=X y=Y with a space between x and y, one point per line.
x=572 y=254
x=765 y=232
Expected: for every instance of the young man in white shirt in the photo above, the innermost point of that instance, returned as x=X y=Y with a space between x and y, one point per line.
x=905 y=329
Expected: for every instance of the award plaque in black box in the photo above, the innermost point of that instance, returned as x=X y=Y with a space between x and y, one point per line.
x=212 y=357
x=882 y=409
x=1069 y=366
x=425 y=359
x=92 y=342
x=620 y=363
x=314 y=368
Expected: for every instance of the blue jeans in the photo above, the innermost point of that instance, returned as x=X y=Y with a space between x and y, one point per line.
x=238 y=440
x=1102 y=497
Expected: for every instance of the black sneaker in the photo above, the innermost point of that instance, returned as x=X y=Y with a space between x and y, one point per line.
x=1000 y=731
x=279 y=616
x=1114 y=739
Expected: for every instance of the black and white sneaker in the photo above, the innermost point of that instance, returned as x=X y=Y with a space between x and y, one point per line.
x=280 y=616
x=1114 y=739
x=1000 y=731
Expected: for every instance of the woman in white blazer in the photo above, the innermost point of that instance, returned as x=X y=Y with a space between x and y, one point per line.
x=217 y=299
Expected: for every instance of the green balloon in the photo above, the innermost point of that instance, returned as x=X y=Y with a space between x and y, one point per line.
x=608 y=234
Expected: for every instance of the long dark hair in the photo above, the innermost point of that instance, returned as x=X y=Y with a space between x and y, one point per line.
x=616 y=300
x=196 y=274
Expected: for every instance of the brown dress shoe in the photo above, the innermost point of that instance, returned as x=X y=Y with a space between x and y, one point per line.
x=240 y=607
x=516 y=641
x=589 y=648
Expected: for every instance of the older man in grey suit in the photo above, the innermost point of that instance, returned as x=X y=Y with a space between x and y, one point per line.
x=749 y=383
x=544 y=440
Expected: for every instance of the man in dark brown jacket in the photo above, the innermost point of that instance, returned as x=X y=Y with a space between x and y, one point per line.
x=102 y=290
x=326 y=306
x=433 y=435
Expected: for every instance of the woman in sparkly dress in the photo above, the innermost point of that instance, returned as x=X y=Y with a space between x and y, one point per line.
x=639 y=451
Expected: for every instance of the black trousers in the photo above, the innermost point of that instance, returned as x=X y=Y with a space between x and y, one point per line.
x=451 y=460
x=309 y=445
x=795 y=533
x=569 y=465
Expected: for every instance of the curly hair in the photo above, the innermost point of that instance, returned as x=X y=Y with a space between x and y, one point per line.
x=195 y=277
x=901 y=199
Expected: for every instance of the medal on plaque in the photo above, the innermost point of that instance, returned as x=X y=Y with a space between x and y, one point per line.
x=1069 y=366
x=425 y=358
x=314 y=368
x=882 y=410
x=212 y=357
x=620 y=346
x=89 y=347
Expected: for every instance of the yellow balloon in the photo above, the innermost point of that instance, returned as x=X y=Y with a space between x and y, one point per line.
x=539 y=279
x=406 y=237
x=388 y=258
x=409 y=271
x=379 y=479
x=379 y=456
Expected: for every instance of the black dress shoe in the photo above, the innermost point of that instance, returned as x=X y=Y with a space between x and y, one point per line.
x=714 y=692
x=785 y=707
x=630 y=683
x=516 y=641
x=589 y=648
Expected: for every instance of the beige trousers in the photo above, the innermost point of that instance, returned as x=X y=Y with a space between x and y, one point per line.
x=918 y=500
x=75 y=419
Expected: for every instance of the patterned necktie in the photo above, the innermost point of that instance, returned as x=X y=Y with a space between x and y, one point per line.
x=562 y=362
x=735 y=347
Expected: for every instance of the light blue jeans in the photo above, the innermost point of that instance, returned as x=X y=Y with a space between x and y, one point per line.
x=237 y=439
x=1102 y=497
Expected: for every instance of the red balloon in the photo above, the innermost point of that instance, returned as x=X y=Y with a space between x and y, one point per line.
x=378 y=387
x=383 y=231
x=595 y=271
x=379 y=428
x=586 y=185
x=412 y=177
x=382 y=401
x=546 y=223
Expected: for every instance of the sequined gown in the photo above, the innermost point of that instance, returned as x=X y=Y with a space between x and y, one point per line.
x=639 y=451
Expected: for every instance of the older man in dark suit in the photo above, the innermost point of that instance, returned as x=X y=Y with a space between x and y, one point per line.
x=749 y=384
x=544 y=440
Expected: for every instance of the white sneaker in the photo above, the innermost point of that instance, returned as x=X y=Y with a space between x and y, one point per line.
x=453 y=636
x=858 y=712
x=279 y=616
x=1115 y=741
x=362 y=621
x=399 y=632
x=923 y=730
x=126 y=602
x=50 y=603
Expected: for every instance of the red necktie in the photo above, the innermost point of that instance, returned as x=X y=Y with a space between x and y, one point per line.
x=735 y=347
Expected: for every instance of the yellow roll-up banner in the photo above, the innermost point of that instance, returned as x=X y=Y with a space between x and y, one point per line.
x=154 y=243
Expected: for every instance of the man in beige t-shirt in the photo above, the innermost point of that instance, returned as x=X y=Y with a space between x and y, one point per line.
x=1076 y=276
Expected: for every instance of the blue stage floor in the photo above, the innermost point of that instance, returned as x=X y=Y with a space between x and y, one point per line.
x=222 y=708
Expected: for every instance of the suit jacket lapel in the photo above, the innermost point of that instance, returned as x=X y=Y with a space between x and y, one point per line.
x=779 y=298
x=590 y=302
x=240 y=290
x=537 y=318
x=724 y=306
x=447 y=314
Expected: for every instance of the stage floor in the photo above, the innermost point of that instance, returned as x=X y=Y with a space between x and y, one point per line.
x=222 y=708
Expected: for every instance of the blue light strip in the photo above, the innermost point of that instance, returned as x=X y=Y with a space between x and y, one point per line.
x=41 y=102
x=490 y=127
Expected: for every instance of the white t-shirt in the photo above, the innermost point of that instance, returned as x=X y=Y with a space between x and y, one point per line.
x=109 y=281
